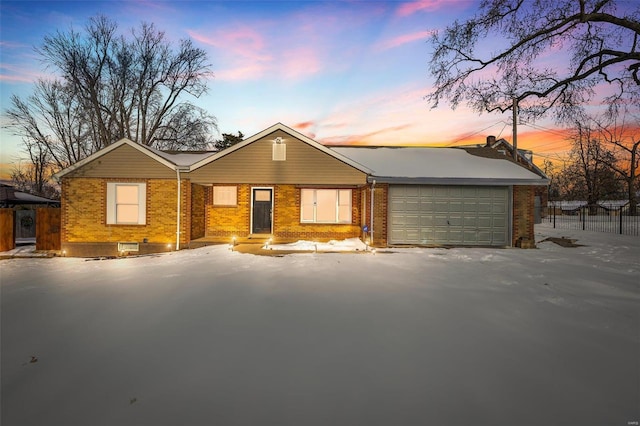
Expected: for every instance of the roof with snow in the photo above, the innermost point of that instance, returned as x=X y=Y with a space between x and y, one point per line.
x=10 y=196
x=451 y=166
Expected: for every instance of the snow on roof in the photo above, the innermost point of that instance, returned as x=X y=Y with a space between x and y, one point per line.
x=438 y=165
x=10 y=195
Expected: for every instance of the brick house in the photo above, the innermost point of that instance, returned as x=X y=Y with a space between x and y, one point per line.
x=280 y=184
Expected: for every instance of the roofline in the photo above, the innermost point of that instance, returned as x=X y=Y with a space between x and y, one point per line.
x=292 y=132
x=124 y=141
x=509 y=146
x=458 y=181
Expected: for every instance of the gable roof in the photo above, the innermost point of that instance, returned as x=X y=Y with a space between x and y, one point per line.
x=142 y=148
x=443 y=166
x=523 y=154
x=279 y=126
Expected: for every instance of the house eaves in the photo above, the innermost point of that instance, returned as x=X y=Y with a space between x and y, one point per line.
x=456 y=181
x=143 y=149
x=290 y=131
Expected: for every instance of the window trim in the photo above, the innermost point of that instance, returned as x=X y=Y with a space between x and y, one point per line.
x=112 y=218
x=337 y=220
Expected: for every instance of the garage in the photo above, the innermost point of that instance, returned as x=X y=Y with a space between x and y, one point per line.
x=447 y=196
x=449 y=215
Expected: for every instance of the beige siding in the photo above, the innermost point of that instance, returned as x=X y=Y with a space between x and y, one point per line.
x=253 y=163
x=124 y=162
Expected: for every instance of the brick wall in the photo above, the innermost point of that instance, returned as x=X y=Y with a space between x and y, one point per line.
x=83 y=211
x=197 y=211
x=224 y=221
x=523 y=217
x=380 y=209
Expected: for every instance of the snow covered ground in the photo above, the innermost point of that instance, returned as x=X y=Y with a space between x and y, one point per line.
x=404 y=337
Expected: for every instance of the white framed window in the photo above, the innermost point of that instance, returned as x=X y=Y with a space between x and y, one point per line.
x=325 y=205
x=225 y=196
x=126 y=203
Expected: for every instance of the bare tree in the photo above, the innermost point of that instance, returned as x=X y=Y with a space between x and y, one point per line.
x=502 y=54
x=586 y=175
x=624 y=142
x=34 y=177
x=112 y=86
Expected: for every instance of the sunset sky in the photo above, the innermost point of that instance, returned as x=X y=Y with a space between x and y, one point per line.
x=341 y=72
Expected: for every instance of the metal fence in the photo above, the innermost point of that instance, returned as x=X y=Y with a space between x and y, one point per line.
x=612 y=218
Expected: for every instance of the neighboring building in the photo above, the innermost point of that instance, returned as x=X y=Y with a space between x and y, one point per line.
x=11 y=197
x=282 y=184
x=500 y=148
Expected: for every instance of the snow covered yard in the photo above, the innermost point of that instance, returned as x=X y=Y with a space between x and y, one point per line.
x=404 y=337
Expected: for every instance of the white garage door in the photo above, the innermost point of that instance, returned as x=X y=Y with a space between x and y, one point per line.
x=457 y=215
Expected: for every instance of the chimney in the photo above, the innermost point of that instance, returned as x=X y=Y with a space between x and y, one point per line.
x=491 y=140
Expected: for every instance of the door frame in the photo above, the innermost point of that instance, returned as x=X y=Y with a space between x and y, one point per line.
x=253 y=188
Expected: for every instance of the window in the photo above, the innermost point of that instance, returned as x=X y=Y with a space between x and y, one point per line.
x=325 y=206
x=126 y=203
x=225 y=196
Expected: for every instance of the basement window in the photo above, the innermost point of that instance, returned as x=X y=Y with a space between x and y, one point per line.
x=126 y=203
x=325 y=206
x=128 y=247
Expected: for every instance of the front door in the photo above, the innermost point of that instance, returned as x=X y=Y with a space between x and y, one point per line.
x=262 y=206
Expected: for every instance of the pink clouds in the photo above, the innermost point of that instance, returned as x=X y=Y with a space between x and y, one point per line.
x=248 y=54
x=15 y=74
x=410 y=8
x=404 y=39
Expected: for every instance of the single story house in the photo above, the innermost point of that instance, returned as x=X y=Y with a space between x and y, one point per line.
x=279 y=183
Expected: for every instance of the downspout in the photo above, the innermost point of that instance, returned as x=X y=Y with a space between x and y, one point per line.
x=178 y=210
x=373 y=185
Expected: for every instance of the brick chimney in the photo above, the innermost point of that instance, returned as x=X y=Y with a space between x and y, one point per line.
x=491 y=140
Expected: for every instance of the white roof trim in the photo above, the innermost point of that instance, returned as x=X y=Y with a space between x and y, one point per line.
x=143 y=149
x=286 y=129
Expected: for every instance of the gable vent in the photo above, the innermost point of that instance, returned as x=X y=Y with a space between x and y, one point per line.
x=128 y=247
x=279 y=150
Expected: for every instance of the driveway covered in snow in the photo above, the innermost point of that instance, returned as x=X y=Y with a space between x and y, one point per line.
x=404 y=337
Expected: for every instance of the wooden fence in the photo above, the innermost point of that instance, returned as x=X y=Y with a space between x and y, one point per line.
x=7 y=239
x=48 y=228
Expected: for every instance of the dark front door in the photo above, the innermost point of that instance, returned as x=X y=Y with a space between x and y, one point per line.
x=261 y=211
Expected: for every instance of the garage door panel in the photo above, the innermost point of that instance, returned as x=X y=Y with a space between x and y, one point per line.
x=441 y=207
x=455 y=221
x=455 y=207
x=471 y=222
x=412 y=221
x=431 y=214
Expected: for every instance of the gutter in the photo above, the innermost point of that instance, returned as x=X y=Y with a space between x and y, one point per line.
x=460 y=181
x=373 y=186
x=178 y=210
